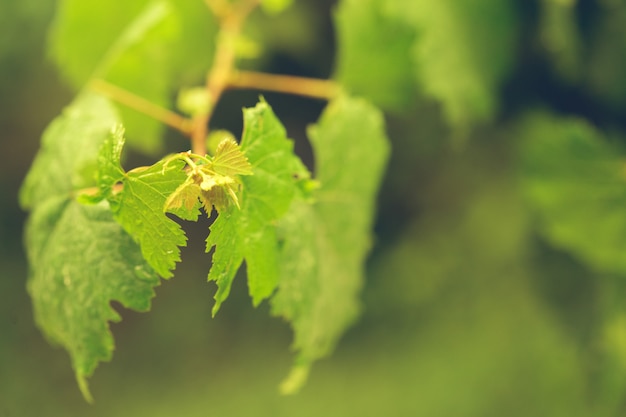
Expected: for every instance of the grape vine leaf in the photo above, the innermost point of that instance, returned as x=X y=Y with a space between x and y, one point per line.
x=147 y=47
x=214 y=183
x=327 y=235
x=58 y=170
x=138 y=206
x=457 y=51
x=80 y=258
x=248 y=232
x=574 y=180
x=375 y=63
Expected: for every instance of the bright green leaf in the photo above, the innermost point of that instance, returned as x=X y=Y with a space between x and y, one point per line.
x=229 y=160
x=139 y=205
x=574 y=179
x=325 y=243
x=248 y=232
x=186 y=197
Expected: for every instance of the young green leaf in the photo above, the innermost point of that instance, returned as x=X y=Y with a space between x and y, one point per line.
x=229 y=160
x=186 y=197
x=325 y=242
x=248 y=232
x=213 y=181
x=80 y=258
x=138 y=206
x=574 y=178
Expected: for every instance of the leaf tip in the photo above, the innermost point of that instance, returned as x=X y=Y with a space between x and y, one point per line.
x=83 y=385
x=295 y=380
x=216 y=308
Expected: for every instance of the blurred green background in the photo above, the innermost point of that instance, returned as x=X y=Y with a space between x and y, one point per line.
x=469 y=309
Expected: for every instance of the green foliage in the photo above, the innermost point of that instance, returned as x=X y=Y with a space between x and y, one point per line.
x=574 y=179
x=607 y=54
x=458 y=52
x=67 y=161
x=559 y=36
x=325 y=241
x=376 y=64
x=459 y=257
x=81 y=258
x=248 y=232
x=275 y=6
x=138 y=206
x=147 y=47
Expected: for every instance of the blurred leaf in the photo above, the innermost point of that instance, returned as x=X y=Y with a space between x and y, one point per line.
x=607 y=54
x=574 y=180
x=325 y=242
x=480 y=237
x=374 y=53
x=80 y=258
x=275 y=6
x=464 y=50
x=67 y=159
x=457 y=51
x=560 y=36
x=162 y=44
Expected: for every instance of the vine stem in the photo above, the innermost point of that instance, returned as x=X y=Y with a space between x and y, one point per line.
x=142 y=105
x=223 y=75
x=223 y=64
x=303 y=86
